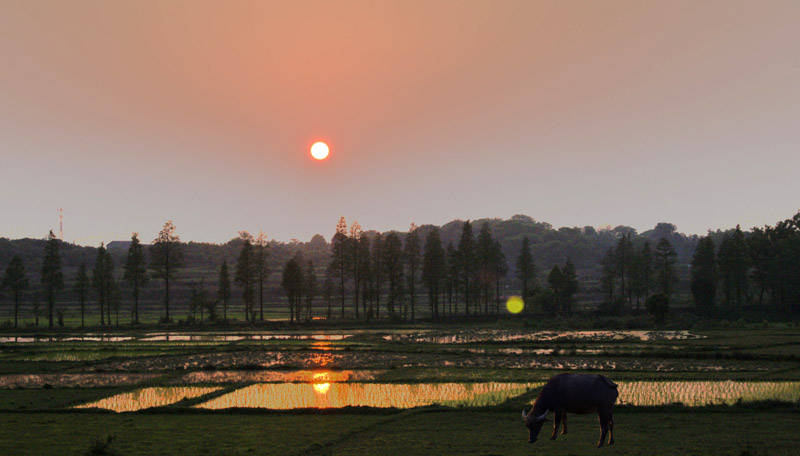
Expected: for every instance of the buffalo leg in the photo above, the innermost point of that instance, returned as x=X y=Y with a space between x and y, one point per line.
x=564 y=422
x=611 y=429
x=556 y=423
x=604 y=419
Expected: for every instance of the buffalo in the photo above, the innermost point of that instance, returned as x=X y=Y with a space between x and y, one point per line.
x=573 y=393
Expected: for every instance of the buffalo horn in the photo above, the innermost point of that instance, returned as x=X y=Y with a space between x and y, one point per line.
x=542 y=417
x=523 y=414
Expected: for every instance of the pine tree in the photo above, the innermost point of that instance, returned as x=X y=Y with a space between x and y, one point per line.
x=412 y=259
x=224 y=289
x=500 y=271
x=102 y=281
x=52 y=277
x=569 y=282
x=704 y=275
x=377 y=270
x=246 y=273
x=135 y=272
x=466 y=260
x=433 y=270
x=484 y=252
x=556 y=282
x=339 y=244
x=526 y=272
x=81 y=288
x=166 y=257
x=16 y=281
x=393 y=265
x=666 y=259
x=261 y=268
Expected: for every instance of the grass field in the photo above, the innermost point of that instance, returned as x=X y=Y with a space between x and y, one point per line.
x=46 y=380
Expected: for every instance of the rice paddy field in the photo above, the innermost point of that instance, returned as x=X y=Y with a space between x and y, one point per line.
x=427 y=389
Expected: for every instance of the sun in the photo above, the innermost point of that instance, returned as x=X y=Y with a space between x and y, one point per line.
x=319 y=150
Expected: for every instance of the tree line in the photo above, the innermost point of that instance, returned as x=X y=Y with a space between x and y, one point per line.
x=370 y=274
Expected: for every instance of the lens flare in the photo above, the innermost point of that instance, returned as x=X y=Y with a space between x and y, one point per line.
x=515 y=304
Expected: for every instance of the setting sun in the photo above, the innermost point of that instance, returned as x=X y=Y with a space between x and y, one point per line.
x=319 y=150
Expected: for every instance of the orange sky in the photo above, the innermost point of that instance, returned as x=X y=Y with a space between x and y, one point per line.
x=129 y=113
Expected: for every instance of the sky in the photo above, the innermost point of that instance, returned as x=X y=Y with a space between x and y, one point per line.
x=129 y=113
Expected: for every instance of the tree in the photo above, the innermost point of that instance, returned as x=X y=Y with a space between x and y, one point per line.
x=81 y=288
x=166 y=257
x=569 y=283
x=452 y=278
x=102 y=281
x=224 y=289
x=199 y=300
x=393 y=265
x=500 y=271
x=465 y=254
x=246 y=273
x=608 y=279
x=733 y=267
x=556 y=282
x=412 y=259
x=135 y=272
x=261 y=268
x=339 y=256
x=17 y=282
x=377 y=271
x=526 y=272
x=646 y=256
x=364 y=272
x=666 y=259
x=433 y=269
x=624 y=257
x=704 y=275
x=484 y=254
x=293 y=284
x=355 y=259
x=52 y=277
x=309 y=287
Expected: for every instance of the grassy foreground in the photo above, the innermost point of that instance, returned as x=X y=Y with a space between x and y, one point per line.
x=468 y=432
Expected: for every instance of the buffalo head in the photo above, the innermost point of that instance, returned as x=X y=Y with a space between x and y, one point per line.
x=533 y=423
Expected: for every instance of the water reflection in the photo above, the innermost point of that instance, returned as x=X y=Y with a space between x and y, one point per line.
x=464 y=337
x=283 y=396
x=149 y=397
x=84 y=338
x=174 y=337
x=301 y=376
x=697 y=394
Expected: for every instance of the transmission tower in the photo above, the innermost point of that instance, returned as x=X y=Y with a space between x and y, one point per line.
x=61 y=223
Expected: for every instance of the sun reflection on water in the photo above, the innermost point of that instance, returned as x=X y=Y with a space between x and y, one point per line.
x=149 y=397
x=285 y=396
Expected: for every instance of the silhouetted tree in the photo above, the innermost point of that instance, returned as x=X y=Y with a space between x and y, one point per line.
x=646 y=256
x=433 y=269
x=81 y=288
x=760 y=255
x=704 y=275
x=412 y=260
x=310 y=287
x=17 y=282
x=377 y=270
x=339 y=256
x=102 y=281
x=393 y=265
x=365 y=274
x=556 y=282
x=484 y=255
x=246 y=273
x=732 y=264
x=526 y=272
x=52 y=277
x=355 y=260
x=261 y=268
x=569 y=284
x=466 y=261
x=224 y=289
x=293 y=283
x=166 y=257
x=500 y=271
x=666 y=259
x=608 y=278
x=452 y=278
x=135 y=272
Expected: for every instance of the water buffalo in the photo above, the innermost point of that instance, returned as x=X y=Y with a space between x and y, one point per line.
x=574 y=393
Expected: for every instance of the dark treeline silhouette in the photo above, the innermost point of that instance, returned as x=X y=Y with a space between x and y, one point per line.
x=463 y=268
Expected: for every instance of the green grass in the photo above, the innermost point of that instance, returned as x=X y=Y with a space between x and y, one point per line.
x=467 y=432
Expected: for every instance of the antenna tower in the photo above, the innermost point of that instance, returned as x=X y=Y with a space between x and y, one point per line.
x=61 y=223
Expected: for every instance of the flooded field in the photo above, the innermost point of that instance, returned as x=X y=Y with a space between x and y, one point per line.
x=302 y=376
x=149 y=397
x=174 y=337
x=73 y=380
x=466 y=337
x=696 y=394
